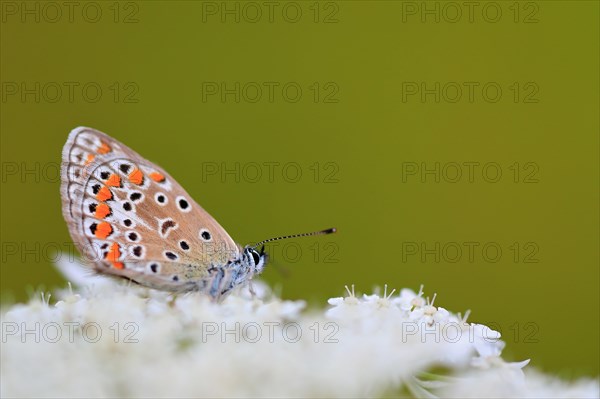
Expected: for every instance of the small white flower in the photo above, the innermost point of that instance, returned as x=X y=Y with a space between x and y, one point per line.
x=407 y=300
x=486 y=341
x=349 y=300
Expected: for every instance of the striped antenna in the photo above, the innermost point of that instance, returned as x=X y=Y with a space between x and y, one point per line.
x=314 y=233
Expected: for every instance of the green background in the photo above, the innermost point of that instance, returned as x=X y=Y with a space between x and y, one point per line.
x=360 y=127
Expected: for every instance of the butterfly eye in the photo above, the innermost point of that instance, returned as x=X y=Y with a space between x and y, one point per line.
x=255 y=256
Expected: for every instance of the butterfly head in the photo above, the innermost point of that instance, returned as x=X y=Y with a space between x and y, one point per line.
x=254 y=259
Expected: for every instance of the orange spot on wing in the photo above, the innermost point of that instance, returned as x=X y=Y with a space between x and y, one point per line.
x=157 y=177
x=113 y=256
x=104 y=194
x=103 y=230
x=90 y=159
x=104 y=148
x=114 y=181
x=136 y=177
x=102 y=210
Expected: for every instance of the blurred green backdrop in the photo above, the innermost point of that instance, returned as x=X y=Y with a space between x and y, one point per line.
x=452 y=145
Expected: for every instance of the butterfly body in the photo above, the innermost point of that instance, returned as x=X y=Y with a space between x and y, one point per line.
x=129 y=218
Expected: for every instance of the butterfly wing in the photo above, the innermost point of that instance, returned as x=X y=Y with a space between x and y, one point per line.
x=130 y=218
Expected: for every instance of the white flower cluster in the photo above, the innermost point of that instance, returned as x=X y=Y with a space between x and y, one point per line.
x=114 y=340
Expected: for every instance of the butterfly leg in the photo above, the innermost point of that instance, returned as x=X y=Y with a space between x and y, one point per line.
x=172 y=300
x=251 y=289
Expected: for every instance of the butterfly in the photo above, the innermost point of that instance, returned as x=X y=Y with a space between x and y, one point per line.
x=129 y=218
